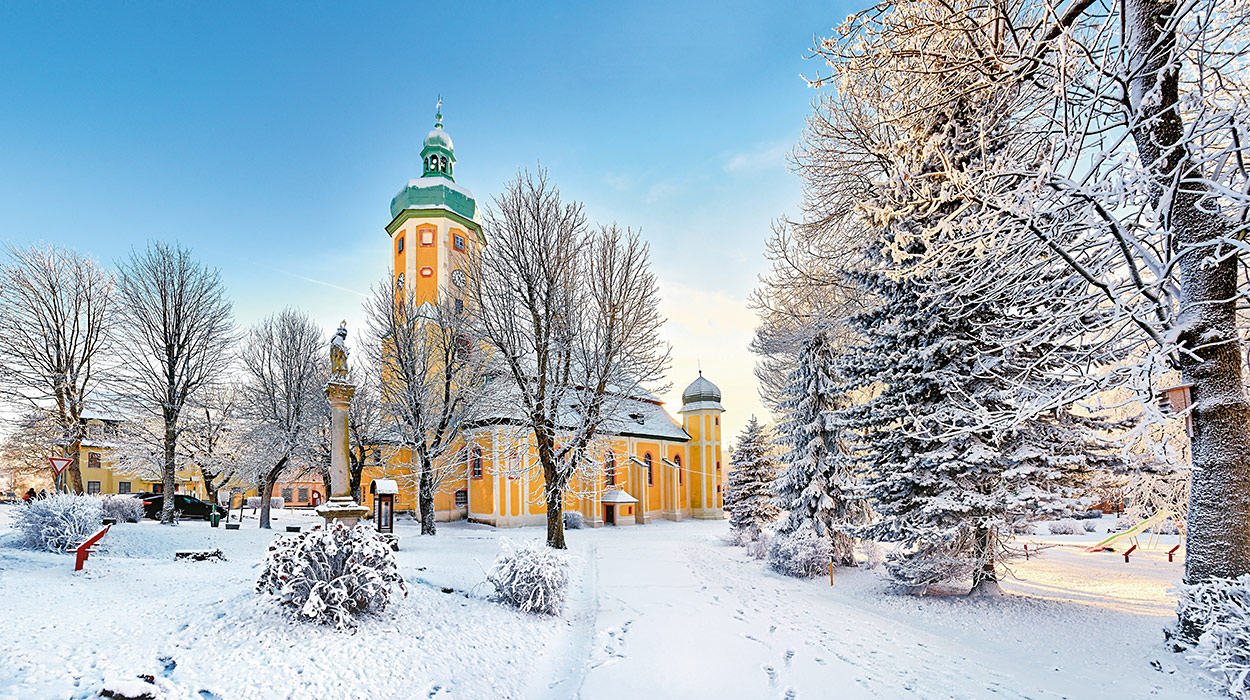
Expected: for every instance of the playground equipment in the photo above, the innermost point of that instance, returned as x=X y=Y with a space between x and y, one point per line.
x=1132 y=533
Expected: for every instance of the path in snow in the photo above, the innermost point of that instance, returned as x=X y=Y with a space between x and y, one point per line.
x=678 y=615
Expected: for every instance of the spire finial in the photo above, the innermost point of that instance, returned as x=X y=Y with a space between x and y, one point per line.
x=438 y=113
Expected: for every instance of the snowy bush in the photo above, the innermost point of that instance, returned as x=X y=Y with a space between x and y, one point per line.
x=573 y=520
x=1086 y=515
x=800 y=553
x=331 y=575
x=1065 y=527
x=758 y=544
x=59 y=522
x=253 y=502
x=532 y=577
x=1089 y=525
x=122 y=508
x=277 y=503
x=1221 y=609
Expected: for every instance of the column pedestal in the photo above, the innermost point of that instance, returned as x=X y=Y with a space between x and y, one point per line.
x=340 y=507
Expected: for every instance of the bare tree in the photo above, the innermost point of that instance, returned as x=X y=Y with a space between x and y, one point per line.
x=24 y=450
x=55 y=318
x=431 y=377
x=177 y=331
x=574 y=316
x=211 y=440
x=284 y=392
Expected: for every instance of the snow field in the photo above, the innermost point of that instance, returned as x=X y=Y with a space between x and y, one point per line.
x=661 y=610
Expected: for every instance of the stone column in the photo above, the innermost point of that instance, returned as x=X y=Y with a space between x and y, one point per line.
x=340 y=507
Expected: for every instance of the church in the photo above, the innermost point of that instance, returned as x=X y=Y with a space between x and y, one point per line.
x=653 y=466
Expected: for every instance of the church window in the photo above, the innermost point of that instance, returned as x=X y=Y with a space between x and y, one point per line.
x=475 y=463
x=650 y=476
x=457 y=241
x=681 y=479
x=399 y=247
x=442 y=164
x=459 y=305
x=462 y=498
x=609 y=471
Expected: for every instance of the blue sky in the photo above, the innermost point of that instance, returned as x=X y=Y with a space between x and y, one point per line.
x=270 y=138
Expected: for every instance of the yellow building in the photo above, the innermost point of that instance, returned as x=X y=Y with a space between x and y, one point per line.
x=101 y=473
x=651 y=465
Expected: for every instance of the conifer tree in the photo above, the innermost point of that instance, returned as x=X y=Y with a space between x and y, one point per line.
x=749 y=498
x=817 y=486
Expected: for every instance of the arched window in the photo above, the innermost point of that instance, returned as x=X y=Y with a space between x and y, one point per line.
x=650 y=476
x=475 y=462
x=609 y=470
x=681 y=479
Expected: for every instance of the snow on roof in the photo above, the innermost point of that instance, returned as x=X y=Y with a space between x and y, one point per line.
x=384 y=487
x=617 y=495
x=700 y=406
x=628 y=416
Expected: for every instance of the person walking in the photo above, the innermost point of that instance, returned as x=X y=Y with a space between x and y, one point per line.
x=30 y=493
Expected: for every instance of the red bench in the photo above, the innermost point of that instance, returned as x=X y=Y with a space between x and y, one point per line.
x=87 y=548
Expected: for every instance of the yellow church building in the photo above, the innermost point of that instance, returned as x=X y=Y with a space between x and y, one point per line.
x=652 y=465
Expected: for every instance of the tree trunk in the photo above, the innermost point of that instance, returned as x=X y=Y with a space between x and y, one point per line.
x=73 y=476
x=270 y=480
x=984 y=576
x=1218 y=533
x=843 y=551
x=210 y=485
x=425 y=497
x=555 y=521
x=355 y=471
x=168 y=505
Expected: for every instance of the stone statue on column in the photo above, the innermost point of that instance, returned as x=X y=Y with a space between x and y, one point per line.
x=340 y=507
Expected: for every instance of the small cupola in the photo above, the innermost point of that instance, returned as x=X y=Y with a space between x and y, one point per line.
x=438 y=157
x=701 y=394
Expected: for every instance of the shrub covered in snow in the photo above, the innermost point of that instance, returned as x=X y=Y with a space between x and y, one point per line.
x=331 y=575
x=1089 y=525
x=122 y=508
x=277 y=502
x=532 y=577
x=573 y=520
x=1086 y=515
x=253 y=502
x=799 y=553
x=1065 y=527
x=1221 y=609
x=59 y=522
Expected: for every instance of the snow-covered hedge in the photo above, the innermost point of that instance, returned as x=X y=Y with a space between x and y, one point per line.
x=1066 y=527
x=573 y=520
x=1089 y=525
x=1221 y=608
x=331 y=575
x=801 y=553
x=253 y=502
x=59 y=522
x=276 y=503
x=532 y=577
x=122 y=508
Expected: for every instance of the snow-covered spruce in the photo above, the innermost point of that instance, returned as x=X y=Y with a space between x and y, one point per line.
x=59 y=522
x=1220 y=607
x=817 y=487
x=801 y=553
x=531 y=577
x=748 y=496
x=332 y=575
x=122 y=508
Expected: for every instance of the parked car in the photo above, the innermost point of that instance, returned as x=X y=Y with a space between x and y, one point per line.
x=188 y=506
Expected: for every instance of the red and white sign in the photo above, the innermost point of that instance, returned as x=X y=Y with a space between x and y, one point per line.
x=59 y=463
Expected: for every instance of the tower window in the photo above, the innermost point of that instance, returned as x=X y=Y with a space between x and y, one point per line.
x=427 y=272
x=475 y=463
x=457 y=241
x=650 y=475
x=459 y=305
x=399 y=247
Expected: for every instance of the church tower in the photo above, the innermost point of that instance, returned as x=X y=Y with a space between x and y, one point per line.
x=436 y=226
x=700 y=413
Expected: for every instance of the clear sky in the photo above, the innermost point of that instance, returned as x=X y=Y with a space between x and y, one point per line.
x=271 y=137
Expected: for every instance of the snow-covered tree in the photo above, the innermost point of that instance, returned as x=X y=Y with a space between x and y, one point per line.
x=57 y=323
x=817 y=487
x=212 y=438
x=431 y=375
x=573 y=317
x=283 y=393
x=748 y=495
x=177 y=331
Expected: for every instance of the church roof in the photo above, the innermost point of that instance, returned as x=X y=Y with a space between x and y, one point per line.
x=700 y=395
x=434 y=192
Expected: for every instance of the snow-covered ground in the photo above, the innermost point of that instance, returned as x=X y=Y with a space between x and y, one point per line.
x=664 y=610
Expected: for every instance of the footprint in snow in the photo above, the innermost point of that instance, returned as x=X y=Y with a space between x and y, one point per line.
x=790 y=695
x=789 y=656
x=772 y=674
